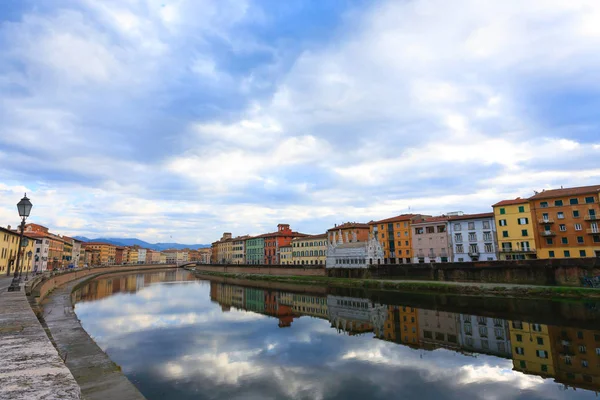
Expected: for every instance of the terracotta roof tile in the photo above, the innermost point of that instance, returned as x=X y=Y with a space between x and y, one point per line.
x=518 y=200
x=471 y=216
x=349 y=225
x=402 y=217
x=548 y=194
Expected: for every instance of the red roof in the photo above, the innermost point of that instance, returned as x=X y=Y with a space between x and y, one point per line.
x=349 y=225
x=319 y=236
x=402 y=217
x=440 y=218
x=548 y=194
x=518 y=200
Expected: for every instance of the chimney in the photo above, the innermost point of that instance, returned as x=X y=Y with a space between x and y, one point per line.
x=8 y=227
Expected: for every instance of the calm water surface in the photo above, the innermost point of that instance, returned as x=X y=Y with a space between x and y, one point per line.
x=177 y=337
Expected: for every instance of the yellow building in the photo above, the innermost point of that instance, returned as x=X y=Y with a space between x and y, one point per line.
x=238 y=250
x=515 y=228
x=395 y=236
x=9 y=244
x=531 y=348
x=107 y=251
x=224 y=249
x=132 y=256
x=163 y=258
x=309 y=250
x=67 y=253
x=304 y=304
x=285 y=255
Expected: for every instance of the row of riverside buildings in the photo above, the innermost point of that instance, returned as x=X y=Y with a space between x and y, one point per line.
x=46 y=251
x=558 y=223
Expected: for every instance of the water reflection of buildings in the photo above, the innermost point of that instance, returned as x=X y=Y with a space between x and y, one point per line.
x=103 y=287
x=570 y=356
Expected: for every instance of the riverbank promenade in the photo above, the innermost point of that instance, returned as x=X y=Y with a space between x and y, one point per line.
x=30 y=367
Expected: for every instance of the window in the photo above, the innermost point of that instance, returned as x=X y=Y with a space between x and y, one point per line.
x=519 y=338
x=560 y=215
x=578 y=227
x=575 y=214
x=558 y=203
x=471 y=226
x=567 y=253
x=489 y=248
x=505 y=234
x=502 y=211
x=589 y=200
x=598 y=351
x=562 y=227
x=564 y=240
x=584 y=363
x=549 y=241
x=523 y=232
x=502 y=222
x=573 y=201
x=580 y=239
x=472 y=237
x=523 y=221
x=582 y=349
x=596 y=238
x=457 y=227
x=459 y=248
x=541 y=353
x=536 y=327
x=499 y=333
x=483 y=331
x=523 y=364
x=520 y=351
x=568 y=360
x=521 y=209
x=540 y=341
x=581 y=253
x=551 y=254
x=458 y=237
x=487 y=236
x=544 y=204
x=579 y=335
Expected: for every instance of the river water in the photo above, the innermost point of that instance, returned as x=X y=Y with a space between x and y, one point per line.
x=179 y=337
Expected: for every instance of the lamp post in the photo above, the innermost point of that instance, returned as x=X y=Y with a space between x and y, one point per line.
x=24 y=206
x=29 y=253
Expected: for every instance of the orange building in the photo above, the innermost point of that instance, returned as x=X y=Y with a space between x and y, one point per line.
x=275 y=240
x=107 y=251
x=576 y=355
x=395 y=237
x=567 y=222
x=349 y=231
x=119 y=255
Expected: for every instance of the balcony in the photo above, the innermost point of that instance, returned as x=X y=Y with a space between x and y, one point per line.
x=458 y=240
x=518 y=250
x=431 y=255
x=546 y=221
x=592 y=217
x=472 y=238
x=473 y=254
x=593 y=231
x=548 y=233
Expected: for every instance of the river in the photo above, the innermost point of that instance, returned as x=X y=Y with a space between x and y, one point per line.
x=181 y=337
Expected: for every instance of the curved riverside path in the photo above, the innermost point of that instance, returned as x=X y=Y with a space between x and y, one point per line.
x=98 y=377
x=30 y=367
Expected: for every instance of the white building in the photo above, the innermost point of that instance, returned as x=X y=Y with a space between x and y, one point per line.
x=141 y=256
x=356 y=315
x=485 y=335
x=473 y=237
x=350 y=253
x=40 y=256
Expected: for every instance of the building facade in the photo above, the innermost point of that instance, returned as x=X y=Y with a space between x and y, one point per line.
x=353 y=254
x=395 y=236
x=515 y=229
x=239 y=250
x=142 y=255
x=107 y=251
x=349 y=230
x=285 y=255
x=473 y=237
x=439 y=329
x=430 y=240
x=485 y=335
x=531 y=348
x=309 y=250
x=255 y=250
x=568 y=222
x=275 y=240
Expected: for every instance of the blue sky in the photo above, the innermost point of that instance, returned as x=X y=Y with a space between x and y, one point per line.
x=181 y=119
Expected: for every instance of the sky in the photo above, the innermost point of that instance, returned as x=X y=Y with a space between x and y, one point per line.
x=178 y=120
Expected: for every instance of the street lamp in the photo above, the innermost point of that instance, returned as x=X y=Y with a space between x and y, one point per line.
x=29 y=253
x=24 y=207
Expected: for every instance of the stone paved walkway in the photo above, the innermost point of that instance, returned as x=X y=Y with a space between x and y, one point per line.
x=30 y=367
x=98 y=377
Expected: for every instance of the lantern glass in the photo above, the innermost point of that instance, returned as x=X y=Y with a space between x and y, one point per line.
x=24 y=206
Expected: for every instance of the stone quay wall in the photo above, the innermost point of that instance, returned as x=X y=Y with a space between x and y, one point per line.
x=41 y=286
x=263 y=269
x=559 y=272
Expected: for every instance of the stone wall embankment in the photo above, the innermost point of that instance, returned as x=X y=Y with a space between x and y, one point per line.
x=41 y=286
x=263 y=270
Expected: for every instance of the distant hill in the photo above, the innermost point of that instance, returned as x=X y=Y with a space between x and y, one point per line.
x=141 y=243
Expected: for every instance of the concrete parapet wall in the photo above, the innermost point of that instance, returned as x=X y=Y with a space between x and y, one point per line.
x=41 y=286
x=560 y=272
x=264 y=270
